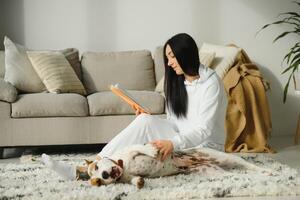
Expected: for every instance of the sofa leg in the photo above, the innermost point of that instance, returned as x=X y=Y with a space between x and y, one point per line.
x=1 y=152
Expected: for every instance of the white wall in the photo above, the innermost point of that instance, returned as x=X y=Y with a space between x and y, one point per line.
x=238 y=22
x=105 y=25
x=115 y=25
x=1 y=27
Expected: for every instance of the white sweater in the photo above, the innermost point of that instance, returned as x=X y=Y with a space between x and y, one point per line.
x=204 y=124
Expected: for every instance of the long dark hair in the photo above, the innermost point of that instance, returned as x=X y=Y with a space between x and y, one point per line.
x=186 y=52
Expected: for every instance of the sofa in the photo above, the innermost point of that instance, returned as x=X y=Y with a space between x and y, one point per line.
x=47 y=118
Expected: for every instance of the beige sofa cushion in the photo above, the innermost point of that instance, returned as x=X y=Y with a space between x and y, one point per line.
x=224 y=59
x=159 y=63
x=132 y=69
x=18 y=69
x=7 y=91
x=2 y=64
x=56 y=72
x=49 y=105
x=107 y=103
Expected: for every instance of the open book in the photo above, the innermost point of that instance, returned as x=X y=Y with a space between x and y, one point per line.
x=128 y=98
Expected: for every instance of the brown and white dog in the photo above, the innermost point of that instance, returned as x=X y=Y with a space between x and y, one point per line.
x=134 y=163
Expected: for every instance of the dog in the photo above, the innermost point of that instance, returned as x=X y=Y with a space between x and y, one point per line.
x=136 y=162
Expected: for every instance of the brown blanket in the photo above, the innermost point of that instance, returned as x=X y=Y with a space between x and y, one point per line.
x=248 y=122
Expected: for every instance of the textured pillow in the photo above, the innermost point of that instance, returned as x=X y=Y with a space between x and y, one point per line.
x=72 y=55
x=206 y=58
x=2 y=64
x=18 y=69
x=225 y=57
x=56 y=72
x=8 y=91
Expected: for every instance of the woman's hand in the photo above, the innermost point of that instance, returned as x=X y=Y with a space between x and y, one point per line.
x=137 y=110
x=165 y=147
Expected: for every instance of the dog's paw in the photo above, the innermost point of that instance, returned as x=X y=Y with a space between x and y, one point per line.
x=138 y=181
x=150 y=150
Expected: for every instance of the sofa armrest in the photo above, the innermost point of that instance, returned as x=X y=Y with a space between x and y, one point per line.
x=5 y=110
x=8 y=92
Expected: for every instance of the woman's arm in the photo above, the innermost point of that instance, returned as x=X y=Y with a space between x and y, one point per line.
x=211 y=102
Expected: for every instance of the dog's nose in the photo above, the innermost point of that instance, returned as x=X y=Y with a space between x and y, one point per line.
x=105 y=175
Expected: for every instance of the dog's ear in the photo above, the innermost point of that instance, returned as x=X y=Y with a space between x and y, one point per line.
x=120 y=163
x=88 y=162
x=90 y=168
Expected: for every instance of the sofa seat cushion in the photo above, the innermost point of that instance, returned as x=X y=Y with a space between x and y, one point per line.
x=50 y=105
x=107 y=103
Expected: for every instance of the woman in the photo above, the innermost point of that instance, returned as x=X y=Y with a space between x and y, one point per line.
x=196 y=104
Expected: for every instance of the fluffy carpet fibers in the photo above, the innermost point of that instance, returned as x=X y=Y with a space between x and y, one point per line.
x=31 y=180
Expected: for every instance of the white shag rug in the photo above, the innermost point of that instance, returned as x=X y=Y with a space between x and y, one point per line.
x=31 y=180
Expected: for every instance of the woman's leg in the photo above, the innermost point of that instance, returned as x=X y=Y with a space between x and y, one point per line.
x=143 y=129
x=66 y=170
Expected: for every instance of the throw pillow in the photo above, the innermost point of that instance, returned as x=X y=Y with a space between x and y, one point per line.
x=56 y=72
x=2 y=64
x=18 y=69
x=8 y=92
x=224 y=59
x=206 y=59
x=72 y=55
